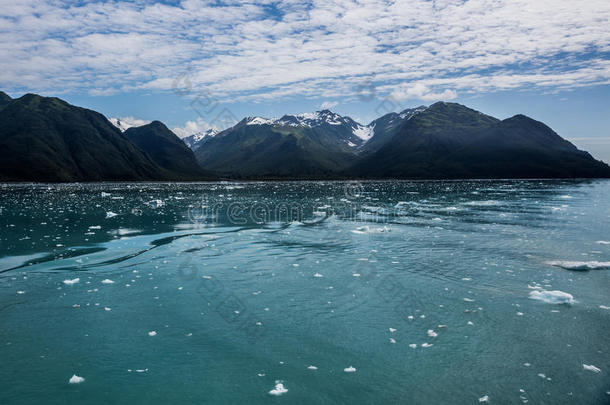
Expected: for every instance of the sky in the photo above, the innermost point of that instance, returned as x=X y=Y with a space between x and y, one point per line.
x=195 y=64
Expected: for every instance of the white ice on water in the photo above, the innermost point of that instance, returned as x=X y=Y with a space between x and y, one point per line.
x=552 y=297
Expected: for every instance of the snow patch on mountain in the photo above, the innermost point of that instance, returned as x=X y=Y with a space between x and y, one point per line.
x=364 y=132
x=127 y=122
x=196 y=139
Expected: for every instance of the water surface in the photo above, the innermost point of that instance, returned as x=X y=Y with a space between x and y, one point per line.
x=424 y=288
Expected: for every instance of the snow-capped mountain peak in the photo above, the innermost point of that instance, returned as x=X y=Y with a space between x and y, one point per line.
x=199 y=138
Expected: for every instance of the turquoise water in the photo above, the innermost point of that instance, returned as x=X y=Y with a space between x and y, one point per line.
x=429 y=292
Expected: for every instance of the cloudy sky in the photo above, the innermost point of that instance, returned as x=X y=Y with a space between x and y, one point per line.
x=196 y=63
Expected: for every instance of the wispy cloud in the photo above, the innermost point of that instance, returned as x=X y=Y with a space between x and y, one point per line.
x=260 y=50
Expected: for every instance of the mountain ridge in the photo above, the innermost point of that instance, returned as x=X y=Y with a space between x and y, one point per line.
x=47 y=139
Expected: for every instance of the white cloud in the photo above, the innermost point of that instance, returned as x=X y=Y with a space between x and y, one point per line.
x=420 y=91
x=191 y=127
x=317 y=48
x=125 y=123
x=327 y=105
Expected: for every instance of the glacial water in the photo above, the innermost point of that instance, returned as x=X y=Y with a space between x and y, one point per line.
x=305 y=293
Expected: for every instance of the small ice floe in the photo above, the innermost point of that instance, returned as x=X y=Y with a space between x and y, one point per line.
x=318 y=275
x=527 y=364
x=426 y=345
x=365 y=229
x=152 y=333
x=468 y=300
x=580 y=266
x=470 y=323
x=432 y=333
x=603 y=307
x=442 y=326
x=519 y=313
x=312 y=368
x=603 y=242
x=279 y=389
x=71 y=282
x=413 y=346
x=591 y=368
x=76 y=379
x=356 y=274
x=552 y=297
x=350 y=369
x=392 y=330
x=107 y=281
x=111 y=214
x=484 y=398
x=155 y=203
x=95 y=227
x=20 y=292
x=541 y=375
x=392 y=340
x=107 y=309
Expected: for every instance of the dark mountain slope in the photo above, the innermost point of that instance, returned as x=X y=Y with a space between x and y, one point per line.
x=166 y=149
x=452 y=141
x=47 y=139
x=272 y=151
x=520 y=147
x=422 y=140
x=5 y=99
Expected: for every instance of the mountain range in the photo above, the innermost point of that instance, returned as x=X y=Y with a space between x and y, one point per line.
x=46 y=139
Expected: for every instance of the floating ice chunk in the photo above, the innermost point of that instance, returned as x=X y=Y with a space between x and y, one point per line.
x=426 y=344
x=155 y=203
x=350 y=369
x=468 y=300
x=604 y=307
x=432 y=333
x=365 y=229
x=413 y=346
x=484 y=398
x=470 y=323
x=318 y=275
x=71 y=282
x=591 y=368
x=111 y=214
x=603 y=242
x=392 y=340
x=95 y=227
x=20 y=292
x=519 y=313
x=356 y=274
x=312 y=368
x=580 y=266
x=392 y=330
x=107 y=309
x=152 y=333
x=552 y=297
x=76 y=379
x=107 y=281
x=279 y=389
